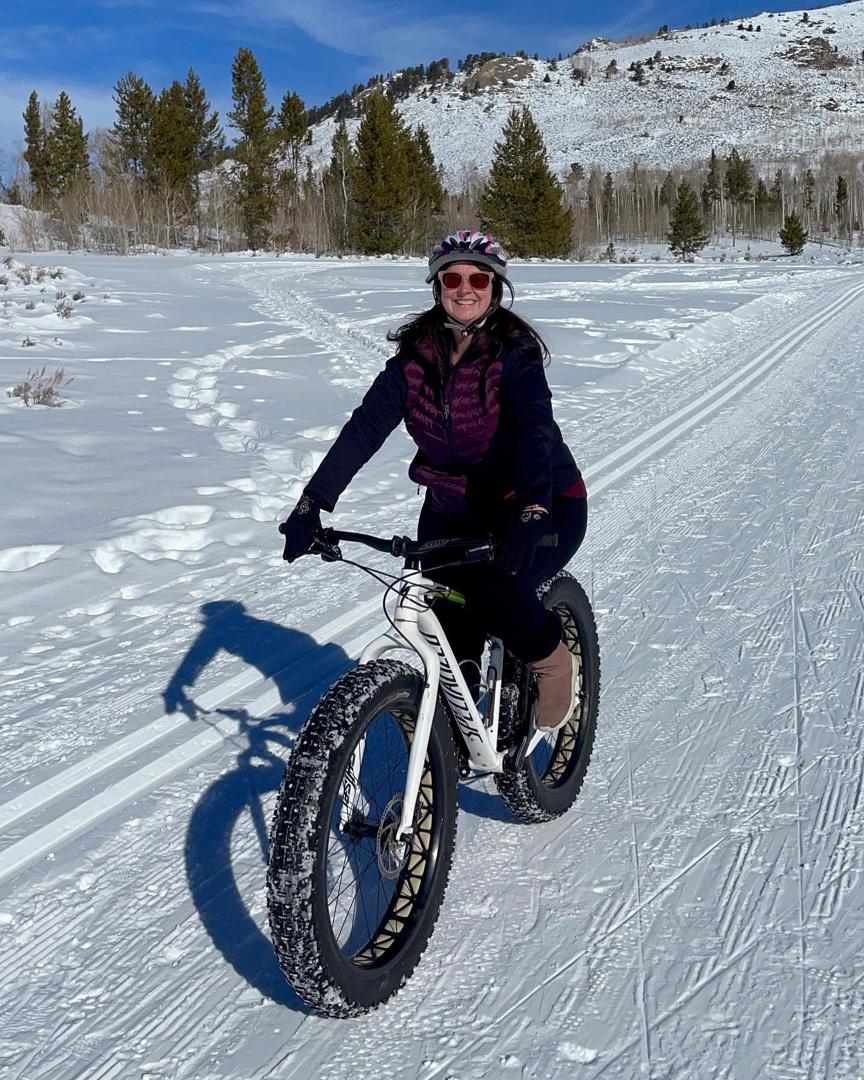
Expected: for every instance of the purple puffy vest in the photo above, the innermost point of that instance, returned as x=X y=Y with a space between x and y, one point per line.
x=452 y=414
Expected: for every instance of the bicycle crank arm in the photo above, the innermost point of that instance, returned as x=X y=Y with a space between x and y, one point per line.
x=527 y=747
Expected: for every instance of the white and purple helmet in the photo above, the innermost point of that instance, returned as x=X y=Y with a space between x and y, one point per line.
x=469 y=246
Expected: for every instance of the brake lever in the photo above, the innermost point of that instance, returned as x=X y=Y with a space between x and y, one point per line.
x=329 y=550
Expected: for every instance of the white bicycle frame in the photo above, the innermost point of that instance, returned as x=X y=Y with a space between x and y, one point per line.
x=420 y=629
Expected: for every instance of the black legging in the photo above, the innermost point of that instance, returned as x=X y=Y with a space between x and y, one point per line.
x=500 y=604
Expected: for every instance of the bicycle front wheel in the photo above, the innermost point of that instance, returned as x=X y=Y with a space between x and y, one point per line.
x=350 y=910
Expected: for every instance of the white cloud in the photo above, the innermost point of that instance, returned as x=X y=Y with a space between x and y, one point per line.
x=392 y=33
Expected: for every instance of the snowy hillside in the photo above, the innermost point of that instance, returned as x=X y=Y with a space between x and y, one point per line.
x=789 y=98
x=697 y=914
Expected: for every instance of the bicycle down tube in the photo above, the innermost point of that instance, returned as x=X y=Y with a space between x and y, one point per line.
x=423 y=632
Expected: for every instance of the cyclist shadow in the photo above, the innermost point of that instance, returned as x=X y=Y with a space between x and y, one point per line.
x=226 y=847
x=489 y=805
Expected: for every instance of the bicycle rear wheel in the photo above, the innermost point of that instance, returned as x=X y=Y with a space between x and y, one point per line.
x=351 y=912
x=547 y=782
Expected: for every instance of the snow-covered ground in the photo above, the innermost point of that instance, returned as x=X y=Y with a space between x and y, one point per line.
x=698 y=912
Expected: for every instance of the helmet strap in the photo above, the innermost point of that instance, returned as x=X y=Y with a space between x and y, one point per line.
x=471 y=328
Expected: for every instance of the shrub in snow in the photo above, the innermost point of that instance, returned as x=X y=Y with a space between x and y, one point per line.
x=64 y=309
x=39 y=388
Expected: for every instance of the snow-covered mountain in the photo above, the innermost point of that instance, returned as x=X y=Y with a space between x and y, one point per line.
x=773 y=85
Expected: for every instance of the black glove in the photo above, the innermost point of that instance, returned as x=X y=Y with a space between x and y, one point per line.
x=521 y=540
x=301 y=526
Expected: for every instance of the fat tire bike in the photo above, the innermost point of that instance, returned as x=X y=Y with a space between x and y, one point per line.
x=364 y=828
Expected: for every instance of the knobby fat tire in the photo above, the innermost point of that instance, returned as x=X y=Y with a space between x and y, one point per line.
x=305 y=944
x=530 y=796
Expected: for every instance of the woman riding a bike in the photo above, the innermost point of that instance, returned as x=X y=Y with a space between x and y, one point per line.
x=468 y=381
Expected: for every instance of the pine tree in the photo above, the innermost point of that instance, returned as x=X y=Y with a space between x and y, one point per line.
x=34 y=155
x=426 y=195
x=668 y=191
x=607 y=203
x=130 y=134
x=776 y=193
x=380 y=179
x=207 y=137
x=687 y=234
x=169 y=163
x=522 y=202
x=254 y=152
x=67 y=162
x=337 y=186
x=761 y=201
x=793 y=235
x=713 y=186
x=737 y=184
x=841 y=198
x=292 y=132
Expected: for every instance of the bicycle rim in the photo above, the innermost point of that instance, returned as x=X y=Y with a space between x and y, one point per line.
x=375 y=890
x=557 y=754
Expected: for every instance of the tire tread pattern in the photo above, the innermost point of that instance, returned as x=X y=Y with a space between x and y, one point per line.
x=296 y=829
x=518 y=787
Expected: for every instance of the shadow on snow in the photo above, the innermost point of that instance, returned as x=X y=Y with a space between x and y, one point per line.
x=219 y=882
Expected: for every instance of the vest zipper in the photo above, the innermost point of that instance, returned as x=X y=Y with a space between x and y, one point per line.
x=447 y=396
x=447 y=426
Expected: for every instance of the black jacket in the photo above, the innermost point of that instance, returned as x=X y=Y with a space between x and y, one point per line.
x=527 y=457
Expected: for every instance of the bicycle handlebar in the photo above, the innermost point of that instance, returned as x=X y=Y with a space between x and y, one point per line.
x=326 y=544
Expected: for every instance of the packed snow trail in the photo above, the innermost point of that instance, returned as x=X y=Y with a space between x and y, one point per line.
x=657 y=927
x=603 y=475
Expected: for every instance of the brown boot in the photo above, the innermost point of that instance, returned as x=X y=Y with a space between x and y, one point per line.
x=557 y=677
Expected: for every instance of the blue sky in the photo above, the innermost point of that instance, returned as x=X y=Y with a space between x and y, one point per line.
x=315 y=48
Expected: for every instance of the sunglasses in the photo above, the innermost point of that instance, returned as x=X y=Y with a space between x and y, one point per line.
x=478 y=281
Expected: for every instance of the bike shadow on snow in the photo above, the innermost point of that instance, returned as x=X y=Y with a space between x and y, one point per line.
x=225 y=883
x=484 y=804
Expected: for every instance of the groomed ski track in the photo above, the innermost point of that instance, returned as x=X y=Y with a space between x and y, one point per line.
x=688 y=918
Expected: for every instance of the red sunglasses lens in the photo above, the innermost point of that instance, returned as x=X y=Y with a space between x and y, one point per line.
x=478 y=281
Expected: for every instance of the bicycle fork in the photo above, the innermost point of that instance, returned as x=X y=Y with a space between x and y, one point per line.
x=419 y=627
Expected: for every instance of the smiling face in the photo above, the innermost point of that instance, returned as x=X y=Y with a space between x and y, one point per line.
x=464 y=303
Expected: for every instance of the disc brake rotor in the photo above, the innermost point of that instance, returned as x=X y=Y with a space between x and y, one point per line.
x=392 y=856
